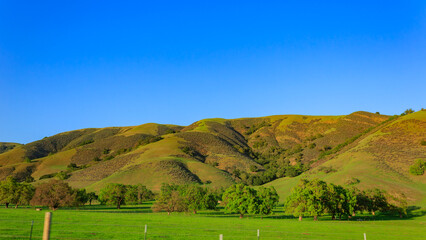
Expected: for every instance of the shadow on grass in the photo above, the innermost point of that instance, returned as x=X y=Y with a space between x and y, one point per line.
x=145 y=208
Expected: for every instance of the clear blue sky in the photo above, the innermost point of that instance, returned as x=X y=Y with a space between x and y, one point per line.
x=67 y=65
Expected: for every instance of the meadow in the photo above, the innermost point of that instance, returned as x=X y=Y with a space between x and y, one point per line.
x=104 y=222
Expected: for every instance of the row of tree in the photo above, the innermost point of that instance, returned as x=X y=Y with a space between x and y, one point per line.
x=316 y=197
x=185 y=198
x=121 y=194
x=57 y=193
x=238 y=198
x=308 y=198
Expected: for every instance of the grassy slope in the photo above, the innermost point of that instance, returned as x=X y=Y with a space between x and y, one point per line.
x=379 y=159
x=153 y=164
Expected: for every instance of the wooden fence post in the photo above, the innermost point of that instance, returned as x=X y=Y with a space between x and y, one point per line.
x=221 y=237
x=146 y=229
x=365 y=236
x=47 y=222
x=258 y=234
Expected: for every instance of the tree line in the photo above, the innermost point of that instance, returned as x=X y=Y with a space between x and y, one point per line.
x=316 y=198
x=57 y=193
x=309 y=198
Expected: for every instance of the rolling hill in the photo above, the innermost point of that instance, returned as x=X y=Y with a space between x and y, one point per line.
x=361 y=148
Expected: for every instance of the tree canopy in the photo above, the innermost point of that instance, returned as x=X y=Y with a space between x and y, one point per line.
x=55 y=194
x=242 y=199
x=316 y=197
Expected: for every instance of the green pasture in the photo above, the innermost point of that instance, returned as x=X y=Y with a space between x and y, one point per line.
x=104 y=222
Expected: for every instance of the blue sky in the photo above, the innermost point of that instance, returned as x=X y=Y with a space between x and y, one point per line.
x=67 y=65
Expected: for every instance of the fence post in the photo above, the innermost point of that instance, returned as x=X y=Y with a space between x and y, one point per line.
x=146 y=229
x=258 y=234
x=365 y=236
x=221 y=237
x=47 y=222
x=31 y=232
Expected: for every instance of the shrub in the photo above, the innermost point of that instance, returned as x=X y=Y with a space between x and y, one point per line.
x=253 y=168
x=62 y=175
x=86 y=142
x=72 y=166
x=51 y=175
x=418 y=168
x=326 y=169
x=423 y=142
x=353 y=181
x=109 y=157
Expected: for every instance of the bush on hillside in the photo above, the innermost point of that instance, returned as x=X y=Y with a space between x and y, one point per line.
x=86 y=142
x=408 y=111
x=418 y=168
x=62 y=175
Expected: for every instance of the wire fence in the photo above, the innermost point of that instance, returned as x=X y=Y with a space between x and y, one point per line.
x=75 y=230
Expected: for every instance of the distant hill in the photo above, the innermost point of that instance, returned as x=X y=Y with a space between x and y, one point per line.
x=6 y=146
x=361 y=148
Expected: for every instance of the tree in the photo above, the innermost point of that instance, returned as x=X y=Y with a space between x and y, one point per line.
x=138 y=193
x=26 y=193
x=352 y=201
x=210 y=200
x=13 y=192
x=241 y=199
x=317 y=197
x=193 y=197
x=308 y=198
x=169 y=200
x=297 y=202
x=54 y=194
x=9 y=192
x=81 y=197
x=131 y=195
x=113 y=193
x=377 y=201
x=398 y=204
x=340 y=201
x=144 y=194
x=268 y=199
x=408 y=111
x=363 y=201
x=91 y=196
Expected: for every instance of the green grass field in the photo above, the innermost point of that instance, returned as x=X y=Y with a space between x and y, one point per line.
x=103 y=222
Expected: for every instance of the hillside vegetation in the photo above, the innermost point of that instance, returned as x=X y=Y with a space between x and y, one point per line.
x=361 y=148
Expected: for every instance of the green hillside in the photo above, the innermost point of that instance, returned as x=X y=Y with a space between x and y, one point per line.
x=379 y=159
x=374 y=149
